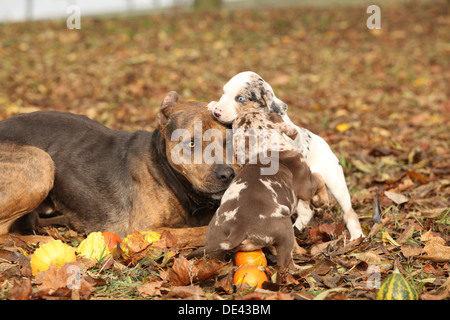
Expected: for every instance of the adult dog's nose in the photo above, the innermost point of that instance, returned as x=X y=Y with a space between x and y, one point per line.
x=224 y=174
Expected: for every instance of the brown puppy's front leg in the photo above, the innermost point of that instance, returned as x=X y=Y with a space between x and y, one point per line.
x=284 y=246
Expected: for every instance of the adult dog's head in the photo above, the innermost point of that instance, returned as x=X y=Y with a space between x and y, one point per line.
x=244 y=91
x=195 y=145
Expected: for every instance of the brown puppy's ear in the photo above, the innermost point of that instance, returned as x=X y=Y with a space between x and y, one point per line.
x=283 y=127
x=165 y=110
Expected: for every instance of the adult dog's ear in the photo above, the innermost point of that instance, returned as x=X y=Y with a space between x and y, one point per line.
x=167 y=104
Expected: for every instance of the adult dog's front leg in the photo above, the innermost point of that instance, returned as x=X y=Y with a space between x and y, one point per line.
x=26 y=177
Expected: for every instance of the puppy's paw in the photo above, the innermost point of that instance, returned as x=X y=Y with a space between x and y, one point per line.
x=320 y=199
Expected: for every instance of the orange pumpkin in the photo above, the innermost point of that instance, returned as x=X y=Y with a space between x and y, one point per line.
x=250 y=275
x=111 y=239
x=250 y=258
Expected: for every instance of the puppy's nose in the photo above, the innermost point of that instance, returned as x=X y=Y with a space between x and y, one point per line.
x=224 y=174
x=217 y=113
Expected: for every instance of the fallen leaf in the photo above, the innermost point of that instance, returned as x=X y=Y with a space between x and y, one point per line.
x=342 y=127
x=319 y=248
x=151 y=289
x=21 y=289
x=387 y=238
x=191 y=292
x=417 y=176
x=62 y=281
x=323 y=295
x=369 y=257
x=327 y=228
x=435 y=249
x=432 y=213
x=441 y=293
x=397 y=198
x=411 y=251
x=184 y=272
x=362 y=166
x=406 y=234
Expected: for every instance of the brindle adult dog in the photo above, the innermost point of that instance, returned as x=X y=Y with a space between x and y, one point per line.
x=103 y=179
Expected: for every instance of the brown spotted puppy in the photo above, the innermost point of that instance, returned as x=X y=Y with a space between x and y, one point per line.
x=255 y=211
x=248 y=90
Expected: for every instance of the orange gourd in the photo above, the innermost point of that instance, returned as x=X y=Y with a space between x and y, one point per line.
x=250 y=258
x=250 y=275
x=111 y=239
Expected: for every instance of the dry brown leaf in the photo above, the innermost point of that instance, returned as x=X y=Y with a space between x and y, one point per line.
x=20 y=290
x=184 y=272
x=327 y=228
x=151 y=289
x=397 y=198
x=411 y=251
x=406 y=234
x=441 y=293
x=191 y=292
x=435 y=249
x=136 y=242
x=319 y=248
x=62 y=281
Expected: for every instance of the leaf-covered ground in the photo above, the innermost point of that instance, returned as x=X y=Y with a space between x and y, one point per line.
x=379 y=97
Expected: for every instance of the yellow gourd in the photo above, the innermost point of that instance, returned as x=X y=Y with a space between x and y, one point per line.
x=54 y=252
x=94 y=247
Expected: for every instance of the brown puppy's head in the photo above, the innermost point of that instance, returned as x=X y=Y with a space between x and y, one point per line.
x=256 y=132
x=196 y=144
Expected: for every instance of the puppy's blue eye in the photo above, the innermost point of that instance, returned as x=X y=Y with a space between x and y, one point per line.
x=241 y=98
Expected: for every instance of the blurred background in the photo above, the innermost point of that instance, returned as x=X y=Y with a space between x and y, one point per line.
x=351 y=84
x=380 y=97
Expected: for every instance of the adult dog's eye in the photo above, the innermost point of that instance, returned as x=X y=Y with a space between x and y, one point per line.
x=240 y=98
x=191 y=144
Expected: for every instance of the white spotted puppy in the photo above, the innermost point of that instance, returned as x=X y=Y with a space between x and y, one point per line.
x=248 y=90
x=256 y=209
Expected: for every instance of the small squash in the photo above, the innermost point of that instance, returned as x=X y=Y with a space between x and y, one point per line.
x=396 y=287
x=54 y=252
x=250 y=275
x=111 y=240
x=94 y=247
x=250 y=258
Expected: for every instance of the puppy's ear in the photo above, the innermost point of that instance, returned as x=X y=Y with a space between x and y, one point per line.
x=274 y=104
x=165 y=110
x=283 y=127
